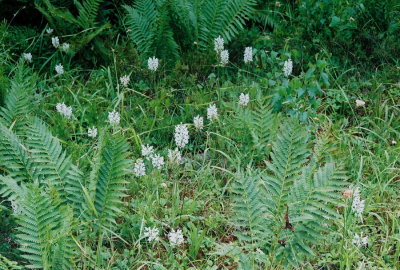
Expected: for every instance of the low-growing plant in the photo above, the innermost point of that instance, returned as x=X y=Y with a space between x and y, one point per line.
x=52 y=200
x=289 y=205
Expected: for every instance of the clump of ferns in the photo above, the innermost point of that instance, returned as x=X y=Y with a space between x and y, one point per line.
x=285 y=209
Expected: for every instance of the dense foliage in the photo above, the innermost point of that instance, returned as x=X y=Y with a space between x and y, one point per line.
x=205 y=134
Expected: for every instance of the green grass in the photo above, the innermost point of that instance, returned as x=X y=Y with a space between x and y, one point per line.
x=196 y=196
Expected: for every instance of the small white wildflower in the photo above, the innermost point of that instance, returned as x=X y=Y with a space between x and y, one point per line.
x=49 y=31
x=55 y=41
x=287 y=67
x=212 y=112
x=157 y=161
x=244 y=99
x=358 y=205
x=27 y=57
x=224 y=57
x=360 y=103
x=92 y=132
x=59 y=69
x=152 y=63
x=147 y=150
x=176 y=237
x=125 y=80
x=163 y=185
x=248 y=55
x=198 y=122
x=65 y=47
x=218 y=44
x=360 y=241
x=151 y=234
x=174 y=156
x=394 y=142
x=114 y=118
x=139 y=169
x=181 y=135
x=64 y=110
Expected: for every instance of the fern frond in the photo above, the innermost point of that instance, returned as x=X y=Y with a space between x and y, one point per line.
x=223 y=18
x=289 y=154
x=262 y=126
x=251 y=215
x=236 y=14
x=6 y=264
x=11 y=190
x=295 y=198
x=88 y=11
x=313 y=198
x=141 y=22
x=185 y=21
x=108 y=187
x=165 y=45
x=43 y=231
x=15 y=158
x=53 y=167
x=18 y=100
x=210 y=22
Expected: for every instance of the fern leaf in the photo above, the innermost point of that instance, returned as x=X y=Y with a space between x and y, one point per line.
x=224 y=18
x=6 y=264
x=262 y=126
x=289 y=154
x=54 y=167
x=250 y=212
x=18 y=100
x=43 y=231
x=141 y=22
x=108 y=186
x=15 y=157
x=88 y=11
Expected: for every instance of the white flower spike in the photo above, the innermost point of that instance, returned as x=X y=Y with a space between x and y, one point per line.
x=125 y=80
x=198 y=122
x=175 y=237
x=147 y=150
x=218 y=44
x=92 y=132
x=27 y=57
x=139 y=168
x=358 y=205
x=157 y=161
x=152 y=63
x=287 y=67
x=151 y=234
x=64 y=110
x=59 y=69
x=55 y=41
x=114 y=118
x=181 y=135
x=224 y=57
x=244 y=99
x=212 y=112
x=248 y=55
